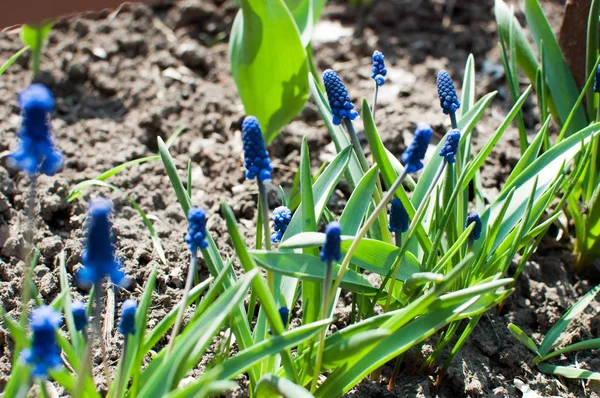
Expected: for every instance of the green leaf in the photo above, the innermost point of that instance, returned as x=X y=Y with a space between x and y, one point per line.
x=35 y=36
x=560 y=80
x=322 y=190
x=12 y=59
x=592 y=53
x=468 y=87
x=554 y=333
x=523 y=338
x=592 y=344
x=180 y=192
x=268 y=63
x=568 y=372
x=302 y=11
x=271 y=386
x=311 y=268
x=356 y=345
x=359 y=201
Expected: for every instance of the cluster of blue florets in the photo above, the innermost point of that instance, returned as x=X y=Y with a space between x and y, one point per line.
x=447 y=93
x=281 y=219
x=476 y=232
x=597 y=80
x=196 y=235
x=331 y=249
x=35 y=152
x=450 y=147
x=257 y=162
x=99 y=258
x=379 y=70
x=44 y=353
x=398 y=217
x=339 y=100
x=79 y=315
x=127 y=323
x=415 y=153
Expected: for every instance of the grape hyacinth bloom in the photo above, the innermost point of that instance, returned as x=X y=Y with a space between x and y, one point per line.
x=476 y=232
x=44 y=353
x=398 y=217
x=339 y=100
x=257 y=162
x=414 y=154
x=281 y=218
x=36 y=151
x=379 y=70
x=196 y=235
x=597 y=80
x=447 y=93
x=99 y=258
x=330 y=251
x=450 y=147
x=127 y=323
x=284 y=313
x=79 y=315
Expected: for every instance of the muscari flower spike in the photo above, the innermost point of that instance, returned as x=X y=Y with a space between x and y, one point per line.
x=476 y=232
x=281 y=219
x=99 y=258
x=339 y=100
x=414 y=154
x=597 y=80
x=44 y=353
x=284 y=313
x=379 y=70
x=257 y=162
x=450 y=147
x=398 y=217
x=330 y=251
x=127 y=322
x=447 y=93
x=196 y=235
x=79 y=315
x=36 y=151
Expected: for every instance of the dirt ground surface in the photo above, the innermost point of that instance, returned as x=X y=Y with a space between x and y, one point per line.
x=123 y=78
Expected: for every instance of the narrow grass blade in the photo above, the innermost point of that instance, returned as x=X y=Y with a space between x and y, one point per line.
x=523 y=338
x=271 y=386
x=568 y=372
x=12 y=59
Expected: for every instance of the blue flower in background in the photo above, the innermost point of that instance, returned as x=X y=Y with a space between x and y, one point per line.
x=281 y=219
x=196 y=235
x=476 y=232
x=450 y=147
x=398 y=217
x=330 y=251
x=99 y=258
x=127 y=322
x=597 y=80
x=284 y=313
x=79 y=315
x=379 y=70
x=257 y=162
x=414 y=154
x=447 y=93
x=36 y=152
x=44 y=353
x=339 y=100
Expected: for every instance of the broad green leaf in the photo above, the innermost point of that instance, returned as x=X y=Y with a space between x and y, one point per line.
x=568 y=372
x=12 y=59
x=554 y=333
x=322 y=190
x=354 y=345
x=523 y=338
x=592 y=53
x=359 y=201
x=35 y=36
x=311 y=268
x=559 y=78
x=302 y=11
x=268 y=63
x=271 y=386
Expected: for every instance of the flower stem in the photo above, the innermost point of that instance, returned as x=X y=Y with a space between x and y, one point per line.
x=453 y=120
x=123 y=369
x=324 y=314
x=186 y=293
x=264 y=209
x=374 y=107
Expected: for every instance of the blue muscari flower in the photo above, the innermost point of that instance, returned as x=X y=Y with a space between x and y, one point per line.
x=79 y=315
x=127 y=323
x=597 y=80
x=379 y=70
x=339 y=100
x=281 y=218
x=450 y=147
x=414 y=154
x=196 y=235
x=44 y=353
x=257 y=160
x=398 y=217
x=330 y=251
x=448 y=98
x=284 y=313
x=36 y=152
x=476 y=232
x=99 y=258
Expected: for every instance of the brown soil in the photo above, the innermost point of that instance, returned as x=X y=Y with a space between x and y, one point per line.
x=122 y=79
